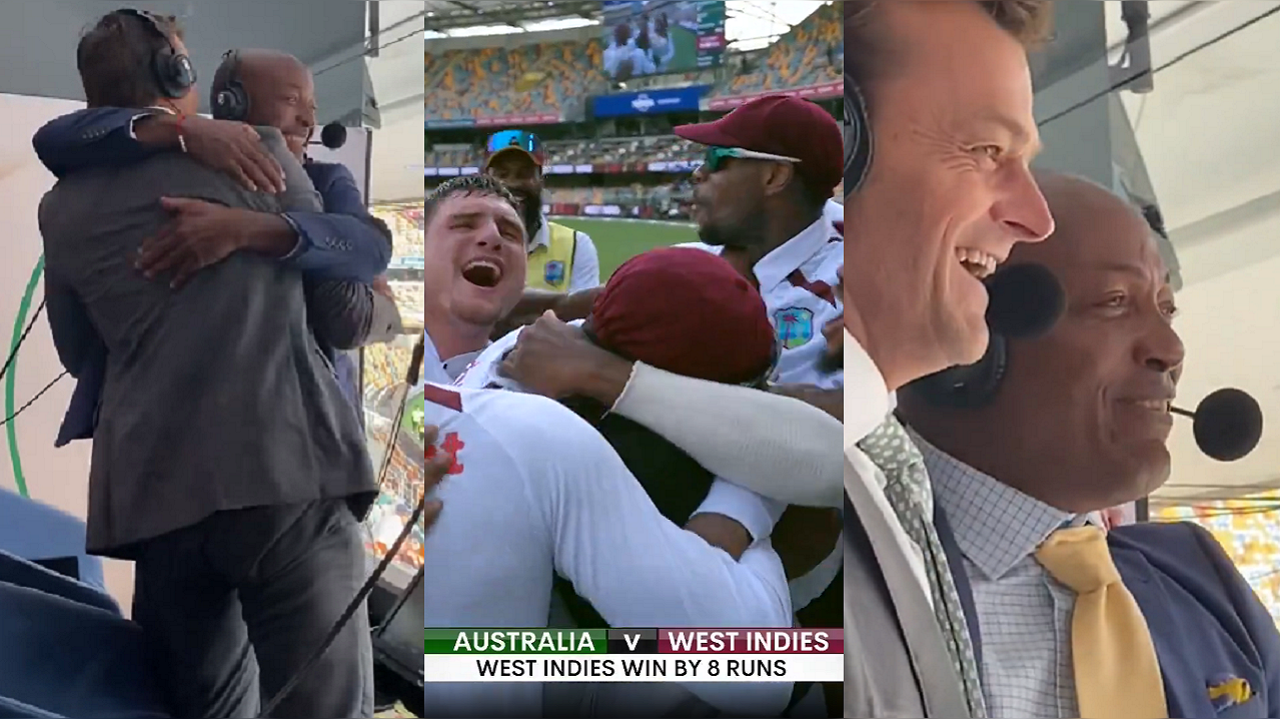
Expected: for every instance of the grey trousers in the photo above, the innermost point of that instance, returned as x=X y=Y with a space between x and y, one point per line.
x=233 y=606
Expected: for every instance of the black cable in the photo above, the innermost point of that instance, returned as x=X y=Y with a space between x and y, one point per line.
x=1120 y=85
x=32 y=401
x=365 y=52
x=13 y=354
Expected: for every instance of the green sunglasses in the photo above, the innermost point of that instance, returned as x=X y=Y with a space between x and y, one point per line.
x=715 y=156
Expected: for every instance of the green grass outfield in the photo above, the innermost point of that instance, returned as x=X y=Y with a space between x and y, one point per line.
x=619 y=240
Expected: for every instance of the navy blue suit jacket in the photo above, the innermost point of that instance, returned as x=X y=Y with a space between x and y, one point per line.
x=345 y=242
x=1209 y=629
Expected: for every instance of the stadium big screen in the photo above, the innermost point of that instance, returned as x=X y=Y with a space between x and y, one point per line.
x=652 y=37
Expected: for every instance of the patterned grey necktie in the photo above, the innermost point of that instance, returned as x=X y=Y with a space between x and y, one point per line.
x=891 y=449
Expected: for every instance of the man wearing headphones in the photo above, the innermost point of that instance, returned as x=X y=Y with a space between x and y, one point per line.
x=1022 y=465
x=940 y=136
x=251 y=88
x=226 y=463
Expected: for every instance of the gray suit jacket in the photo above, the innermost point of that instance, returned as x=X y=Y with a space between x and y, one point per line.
x=896 y=662
x=217 y=396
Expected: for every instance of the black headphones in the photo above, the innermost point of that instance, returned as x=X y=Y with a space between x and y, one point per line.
x=968 y=386
x=1026 y=301
x=172 y=70
x=231 y=102
x=858 y=143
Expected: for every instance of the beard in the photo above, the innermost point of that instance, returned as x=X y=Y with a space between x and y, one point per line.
x=531 y=210
x=741 y=235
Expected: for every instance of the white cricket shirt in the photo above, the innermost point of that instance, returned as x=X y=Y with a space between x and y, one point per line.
x=534 y=490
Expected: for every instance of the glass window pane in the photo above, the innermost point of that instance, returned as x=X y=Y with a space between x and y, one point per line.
x=383 y=372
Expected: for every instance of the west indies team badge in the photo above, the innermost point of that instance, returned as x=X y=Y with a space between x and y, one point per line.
x=553 y=273
x=794 y=326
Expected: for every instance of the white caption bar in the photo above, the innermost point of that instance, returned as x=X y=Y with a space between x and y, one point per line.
x=637 y=668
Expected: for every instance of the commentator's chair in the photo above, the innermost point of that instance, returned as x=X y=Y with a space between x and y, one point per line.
x=67 y=649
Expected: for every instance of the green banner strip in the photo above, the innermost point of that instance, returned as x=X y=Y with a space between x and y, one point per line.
x=10 y=380
x=515 y=641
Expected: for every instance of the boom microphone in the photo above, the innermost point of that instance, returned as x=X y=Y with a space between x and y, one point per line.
x=1025 y=301
x=332 y=136
x=1227 y=424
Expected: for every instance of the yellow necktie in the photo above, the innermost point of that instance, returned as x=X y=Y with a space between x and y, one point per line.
x=1117 y=674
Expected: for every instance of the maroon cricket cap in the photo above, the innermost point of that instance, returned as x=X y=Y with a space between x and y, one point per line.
x=780 y=125
x=686 y=311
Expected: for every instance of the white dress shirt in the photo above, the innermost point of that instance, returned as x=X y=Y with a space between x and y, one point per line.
x=797 y=282
x=866 y=406
x=432 y=367
x=444 y=371
x=1024 y=614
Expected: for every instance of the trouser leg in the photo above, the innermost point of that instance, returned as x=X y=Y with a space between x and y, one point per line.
x=302 y=566
x=194 y=632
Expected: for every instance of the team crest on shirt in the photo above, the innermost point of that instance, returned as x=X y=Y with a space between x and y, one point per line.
x=553 y=272
x=794 y=326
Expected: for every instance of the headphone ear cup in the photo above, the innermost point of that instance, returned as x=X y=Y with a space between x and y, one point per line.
x=970 y=386
x=173 y=73
x=858 y=143
x=231 y=103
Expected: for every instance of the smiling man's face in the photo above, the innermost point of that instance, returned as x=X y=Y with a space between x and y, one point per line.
x=949 y=192
x=282 y=94
x=477 y=242
x=523 y=176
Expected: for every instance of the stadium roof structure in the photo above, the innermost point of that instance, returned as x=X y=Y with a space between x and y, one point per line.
x=445 y=15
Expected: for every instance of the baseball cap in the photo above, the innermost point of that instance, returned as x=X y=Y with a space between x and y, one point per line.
x=780 y=125
x=687 y=311
x=514 y=141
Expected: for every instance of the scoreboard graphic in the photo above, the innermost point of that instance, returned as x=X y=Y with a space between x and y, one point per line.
x=633 y=655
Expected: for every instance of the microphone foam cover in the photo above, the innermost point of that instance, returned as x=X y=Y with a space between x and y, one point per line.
x=333 y=136
x=1228 y=424
x=1025 y=301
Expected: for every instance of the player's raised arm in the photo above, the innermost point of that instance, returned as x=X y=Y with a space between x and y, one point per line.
x=769 y=443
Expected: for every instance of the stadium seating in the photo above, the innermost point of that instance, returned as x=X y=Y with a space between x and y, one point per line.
x=555 y=77
x=667 y=148
x=810 y=54
x=542 y=77
x=636 y=194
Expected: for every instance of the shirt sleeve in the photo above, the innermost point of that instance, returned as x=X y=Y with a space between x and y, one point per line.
x=777 y=446
x=340 y=313
x=636 y=567
x=133 y=122
x=756 y=514
x=586 y=264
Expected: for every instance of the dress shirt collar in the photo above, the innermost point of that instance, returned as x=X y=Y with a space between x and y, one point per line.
x=541 y=238
x=866 y=396
x=773 y=269
x=444 y=371
x=995 y=525
x=432 y=365
x=454 y=366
